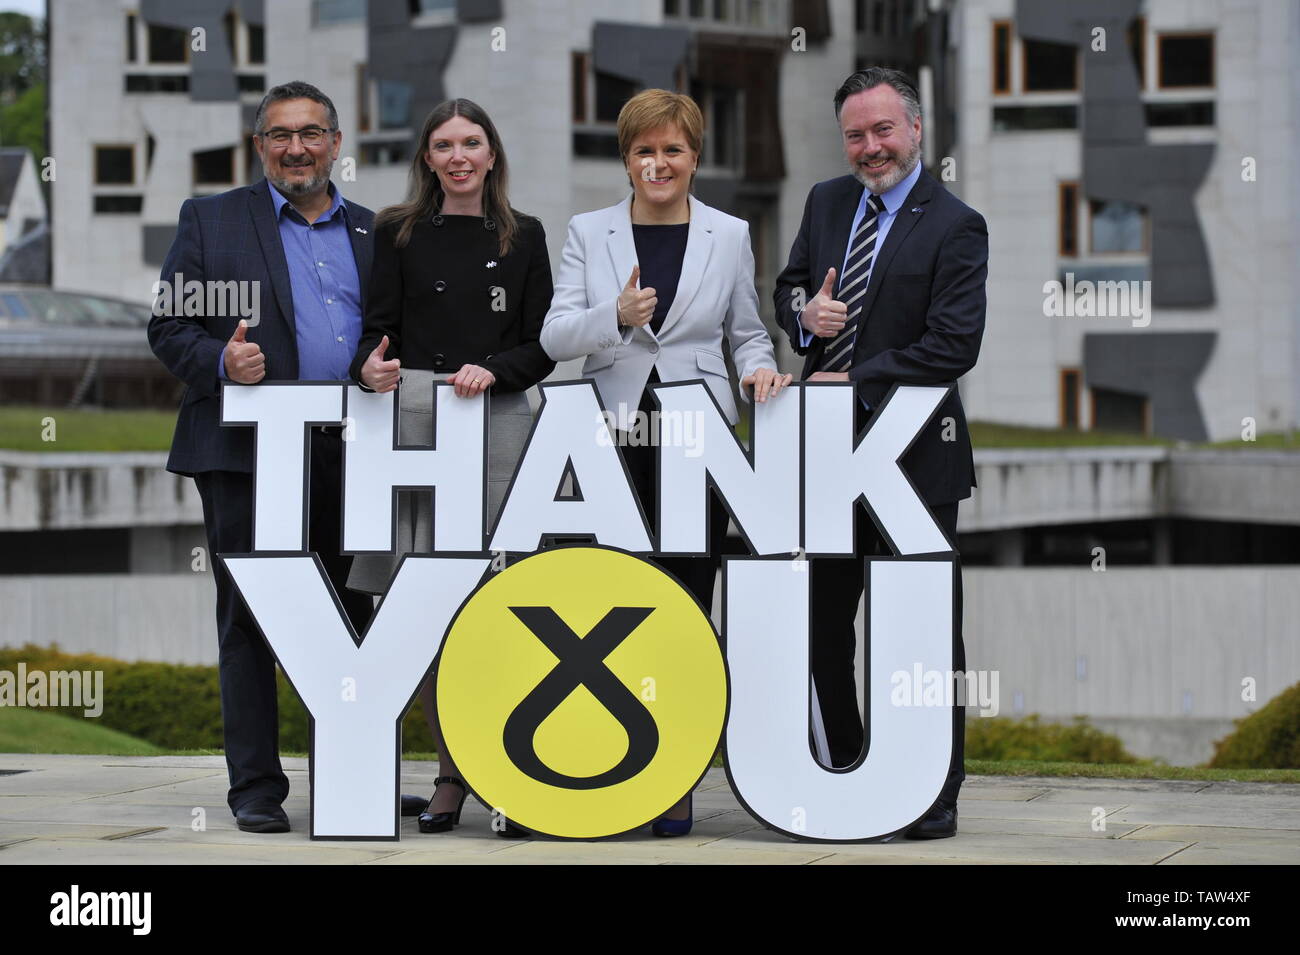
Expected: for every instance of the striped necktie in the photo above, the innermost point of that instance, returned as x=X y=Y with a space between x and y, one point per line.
x=853 y=286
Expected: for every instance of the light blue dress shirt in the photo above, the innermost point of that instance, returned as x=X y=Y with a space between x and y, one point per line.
x=325 y=285
x=893 y=200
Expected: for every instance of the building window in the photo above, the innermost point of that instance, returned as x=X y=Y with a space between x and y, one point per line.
x=167 y=44
x=215 y=167
x=1116 y=226
x=132 y=50
x=421 y=8
x=385 y=153
x=1022 y=119
x=363 y=98
x=1120 y=411
x=115 y=165
x=1137 y=47
x=1067 y=244
x=119 y=205
x=595 y=144
x=256 y=43
x=394 y=104
x=611 y=93
x=1049 y=67
x=1070 y=379
x=1195 y=113
x=580 y=66
x=1185 y=59
x=157 y=83
x=721 y=109
x=325 y=12
x=1001 y=56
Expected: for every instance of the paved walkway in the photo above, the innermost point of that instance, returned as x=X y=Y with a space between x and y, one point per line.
x=101 y=809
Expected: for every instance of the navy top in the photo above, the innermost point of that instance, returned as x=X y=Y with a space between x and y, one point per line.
x=659 y=251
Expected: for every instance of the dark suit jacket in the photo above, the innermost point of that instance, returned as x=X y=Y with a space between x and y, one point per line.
x=233 y=236
x=922 y=316
x=449 y=298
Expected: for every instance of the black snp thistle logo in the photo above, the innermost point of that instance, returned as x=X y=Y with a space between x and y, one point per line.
x=581 y=663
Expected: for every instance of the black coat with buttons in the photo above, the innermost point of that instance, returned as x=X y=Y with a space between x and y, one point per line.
x=449 y=298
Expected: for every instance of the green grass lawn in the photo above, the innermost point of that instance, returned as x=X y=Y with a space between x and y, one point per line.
x=1025 y=767
x=988 y=434
x=22 y=428
x=40 y=731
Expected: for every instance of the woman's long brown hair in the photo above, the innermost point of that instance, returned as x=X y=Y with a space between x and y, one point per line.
x=424 y=193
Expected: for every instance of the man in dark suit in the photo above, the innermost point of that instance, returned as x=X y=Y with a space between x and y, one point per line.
x=885 y=285
x=302 y=254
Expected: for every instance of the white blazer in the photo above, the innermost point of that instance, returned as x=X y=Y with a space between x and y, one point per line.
x=715 y=294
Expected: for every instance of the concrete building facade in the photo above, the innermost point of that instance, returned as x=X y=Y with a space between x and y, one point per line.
x=1166 y=157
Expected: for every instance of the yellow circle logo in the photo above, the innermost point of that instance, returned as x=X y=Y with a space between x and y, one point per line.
x=582 y=692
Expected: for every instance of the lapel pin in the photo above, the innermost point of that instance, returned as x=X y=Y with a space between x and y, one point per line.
x=364 y=232
x=916 y=208
x=491 y=265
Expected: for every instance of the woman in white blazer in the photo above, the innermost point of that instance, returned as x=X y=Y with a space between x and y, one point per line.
x=645 y=292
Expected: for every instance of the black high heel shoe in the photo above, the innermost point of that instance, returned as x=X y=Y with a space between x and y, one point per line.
x=443 y=821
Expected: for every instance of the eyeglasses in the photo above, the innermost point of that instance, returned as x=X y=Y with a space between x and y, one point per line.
x=308 y=136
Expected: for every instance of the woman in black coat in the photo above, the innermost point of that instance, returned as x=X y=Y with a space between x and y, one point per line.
x=459 y=288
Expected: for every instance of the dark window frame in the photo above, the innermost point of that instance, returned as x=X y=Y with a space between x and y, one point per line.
x=1066 y=400
x=148 y=45
x=1184 y=35
x=1005 y=28
x=197 y=182
x=1146 y=232
x=1024 y=69
x=129 y=147
x=1067 y=200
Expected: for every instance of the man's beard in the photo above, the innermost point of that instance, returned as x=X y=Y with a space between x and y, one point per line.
x=303 y=187
x=902 y=168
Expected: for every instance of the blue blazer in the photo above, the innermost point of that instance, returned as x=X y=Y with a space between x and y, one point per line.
x=233 y=236
x=922 y=315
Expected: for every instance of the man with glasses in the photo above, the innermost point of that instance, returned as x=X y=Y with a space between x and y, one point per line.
x=308 y=251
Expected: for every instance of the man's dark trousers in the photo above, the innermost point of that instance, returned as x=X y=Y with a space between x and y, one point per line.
x=247 y=667
x=835 y=588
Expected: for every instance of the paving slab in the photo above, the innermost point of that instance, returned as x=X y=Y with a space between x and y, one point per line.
x=89 y=810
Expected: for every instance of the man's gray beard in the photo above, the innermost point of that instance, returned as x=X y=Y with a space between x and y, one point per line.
x=307 y=186
x=902 y=169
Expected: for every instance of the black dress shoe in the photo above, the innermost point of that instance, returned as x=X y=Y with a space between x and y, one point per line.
x=413 y=805
x=262 y=817
x=939 y=823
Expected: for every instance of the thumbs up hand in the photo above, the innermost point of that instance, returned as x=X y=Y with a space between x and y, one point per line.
x=635 y=306
x=823 y=316
x=244 y=360
x=380 y=375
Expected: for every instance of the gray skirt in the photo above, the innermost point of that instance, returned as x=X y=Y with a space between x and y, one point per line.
x=509 y=420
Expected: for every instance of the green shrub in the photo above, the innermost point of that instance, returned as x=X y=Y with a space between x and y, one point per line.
x=1002 y=738
x=1266 y=739
x=178 y=706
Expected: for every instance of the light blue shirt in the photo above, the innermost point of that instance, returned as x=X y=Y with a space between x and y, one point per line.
x=893 y=200
x=325 y=287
